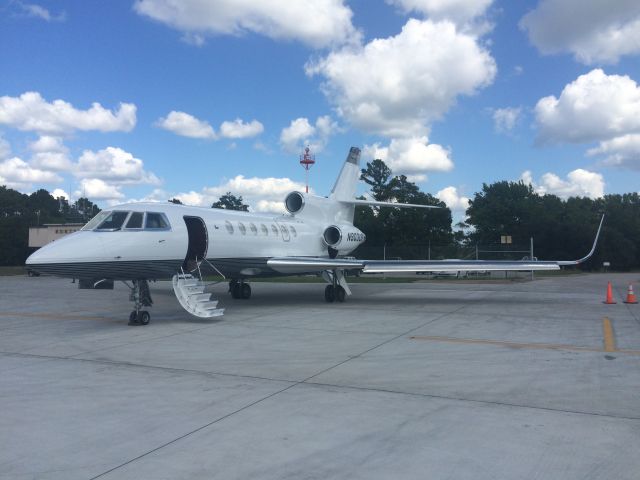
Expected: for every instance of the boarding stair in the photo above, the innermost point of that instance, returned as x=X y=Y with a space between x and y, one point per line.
x=189 y=290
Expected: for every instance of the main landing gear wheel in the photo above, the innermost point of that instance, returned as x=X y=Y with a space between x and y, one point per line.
x=329 y=294
x=240 y=290
x=332 y=293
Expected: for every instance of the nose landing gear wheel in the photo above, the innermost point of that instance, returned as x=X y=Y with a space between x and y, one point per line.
x=246 y=291
x=144 y=318
x=139 y=318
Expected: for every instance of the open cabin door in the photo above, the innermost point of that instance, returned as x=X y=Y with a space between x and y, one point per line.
x=198 y=242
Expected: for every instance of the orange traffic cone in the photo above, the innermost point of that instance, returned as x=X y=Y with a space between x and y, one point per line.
x=631 y=297
x=609 y=300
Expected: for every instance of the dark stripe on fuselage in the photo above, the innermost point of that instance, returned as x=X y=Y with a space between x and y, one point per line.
x=149 y=269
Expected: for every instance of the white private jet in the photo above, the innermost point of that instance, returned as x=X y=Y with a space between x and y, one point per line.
x=138 y=242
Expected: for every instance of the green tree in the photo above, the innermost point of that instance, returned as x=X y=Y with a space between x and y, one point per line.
x=176 y=201
x=402 y=228
x=229 y=201
x=377 y=174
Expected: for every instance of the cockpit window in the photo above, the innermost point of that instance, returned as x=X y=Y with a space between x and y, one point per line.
x=156 y=221
x=113 y=221
x=135 y=220
x=95 y=221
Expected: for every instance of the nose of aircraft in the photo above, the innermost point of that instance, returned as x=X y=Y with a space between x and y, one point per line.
x=59 y=257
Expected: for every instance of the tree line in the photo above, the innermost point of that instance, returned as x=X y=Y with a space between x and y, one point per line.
x=562 y=229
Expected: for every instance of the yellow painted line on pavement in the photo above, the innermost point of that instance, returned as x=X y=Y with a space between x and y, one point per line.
x=609 y=338
x=517 y=345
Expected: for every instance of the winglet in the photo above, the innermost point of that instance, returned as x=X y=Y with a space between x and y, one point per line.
x=588 y=256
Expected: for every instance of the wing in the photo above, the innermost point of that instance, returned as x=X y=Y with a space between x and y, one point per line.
x=375 y=203
x=293 y=265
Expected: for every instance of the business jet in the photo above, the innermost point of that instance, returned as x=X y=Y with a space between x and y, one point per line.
x=138 y=242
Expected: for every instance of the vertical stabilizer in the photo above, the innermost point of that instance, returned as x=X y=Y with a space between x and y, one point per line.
x=346 y=185
x=347 y=181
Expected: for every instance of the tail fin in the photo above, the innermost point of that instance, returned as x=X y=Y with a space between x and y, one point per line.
x=345 y=187
x=347 y=182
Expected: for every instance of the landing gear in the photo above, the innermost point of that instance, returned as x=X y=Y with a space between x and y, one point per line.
x=141 y=296
x=332 y=294
x=329 y=294
x=239 y=289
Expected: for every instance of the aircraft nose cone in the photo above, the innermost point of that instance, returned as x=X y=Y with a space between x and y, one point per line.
x=60 y=256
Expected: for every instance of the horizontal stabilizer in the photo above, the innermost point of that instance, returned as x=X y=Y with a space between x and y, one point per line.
x=374 y=203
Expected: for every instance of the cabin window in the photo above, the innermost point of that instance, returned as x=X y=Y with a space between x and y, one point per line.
x=95 y=221
x=229 y=227
x=113 y=221
x=263 y=229
x=253 y=229
x=274 y=229
x=293 y=230
x=242 y=228
x=156 y=221
x=135 y=220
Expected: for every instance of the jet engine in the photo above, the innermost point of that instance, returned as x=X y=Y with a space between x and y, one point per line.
x=342 y=238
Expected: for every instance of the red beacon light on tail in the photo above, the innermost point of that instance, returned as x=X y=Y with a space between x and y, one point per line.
x=307 y=159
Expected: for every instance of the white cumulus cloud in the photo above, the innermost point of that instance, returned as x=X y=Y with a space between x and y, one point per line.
x=594 y=31
x=31 y=112
x=261 y=194
x=240 y=129
x=453 y=199
x=459 y=11
x=186 y=125
x=398 y=86
x=38 y=11
x=411 y=156
x=115 y=165
x=317 y=23
x=595 y=106
x=623 y=151
x=97 y=189
x=49 y=153
x=579 y=183
x=16 y=173
x=58 y=192
x=301 y=133
x=505 y=119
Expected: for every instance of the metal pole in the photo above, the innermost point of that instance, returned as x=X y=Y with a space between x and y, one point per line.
x=476 y=251
x=429 y=257
x=384 y=256
x=531 y=256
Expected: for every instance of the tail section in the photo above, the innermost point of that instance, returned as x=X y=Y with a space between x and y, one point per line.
x=346 y=183
x=339 y=207
x=345 y=187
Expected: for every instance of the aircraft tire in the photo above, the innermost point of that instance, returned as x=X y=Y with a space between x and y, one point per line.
x=133 y=318
x=245 y=291
x=340 y=294
x=236 y=291
x=329 y=294
x=144 y=318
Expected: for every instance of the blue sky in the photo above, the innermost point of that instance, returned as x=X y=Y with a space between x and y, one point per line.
x=198 y=97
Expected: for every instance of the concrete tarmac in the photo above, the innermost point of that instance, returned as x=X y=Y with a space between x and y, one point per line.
x=439 y=380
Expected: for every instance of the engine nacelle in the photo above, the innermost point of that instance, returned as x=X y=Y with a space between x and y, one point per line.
x=343 y=238
x=321 y=209
x=298 y=202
